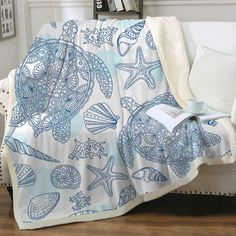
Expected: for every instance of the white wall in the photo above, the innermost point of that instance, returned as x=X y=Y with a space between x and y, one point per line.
x=43 y=11
x=193 y=10
x=60 y=10
x=32 y=14
x=187 y=10
x=24 y=28
x=8 y=56
x=12 y=50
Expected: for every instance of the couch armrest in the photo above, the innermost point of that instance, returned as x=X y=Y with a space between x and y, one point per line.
x=233 y=113
x=4 y=94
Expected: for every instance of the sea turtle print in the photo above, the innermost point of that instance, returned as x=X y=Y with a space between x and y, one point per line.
x=155 y=143
x=55 y=81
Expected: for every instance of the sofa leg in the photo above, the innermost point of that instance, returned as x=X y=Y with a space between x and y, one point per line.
x=10 y=191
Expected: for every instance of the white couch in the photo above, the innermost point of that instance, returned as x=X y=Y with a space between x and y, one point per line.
x=220 y=36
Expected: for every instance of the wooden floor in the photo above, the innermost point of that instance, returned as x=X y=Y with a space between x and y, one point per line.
x=171 y=215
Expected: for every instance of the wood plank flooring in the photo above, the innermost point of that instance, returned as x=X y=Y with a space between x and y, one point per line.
x=171 y=215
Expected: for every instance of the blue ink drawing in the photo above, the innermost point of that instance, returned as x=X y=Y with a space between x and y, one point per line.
x=25 y=175
x=127 y=194
x=54 y=82
x=155 y=143
x=102 y=73
x=149 y=174
x=65 y=177
x=83 y=212
x=88 y=150
x=41 y=205
x=17 y=146
x=149 y=40
x=80 y=201
x=105 y=177
x=69 y=31
x=99 y=118
x=228 y=153
x=53 y=24
x=211 y=139
x=212 y=123
x=129 y=37
x=139 y=70
x=97 y=37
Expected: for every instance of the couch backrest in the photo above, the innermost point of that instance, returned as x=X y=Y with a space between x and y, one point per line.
x=220 y=36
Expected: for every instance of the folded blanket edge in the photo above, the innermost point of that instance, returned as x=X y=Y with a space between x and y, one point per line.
x=168 y=31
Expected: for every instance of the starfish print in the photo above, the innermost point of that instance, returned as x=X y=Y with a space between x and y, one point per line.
x=105 y=176
x=140 y=69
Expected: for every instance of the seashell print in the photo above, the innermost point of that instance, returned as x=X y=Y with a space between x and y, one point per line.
x=41 y=205
x=127 y=194
x=26 y=71
x=71 y=81
x=39 y=71
x=25 y=175
x=17 y=146
x=69 y=102
x=129 y=37
x=65 y=177
x=149 y=174
x=100 y=117
x=149 y=40
x=29 y=90
x=30 y=60
x=150 y=138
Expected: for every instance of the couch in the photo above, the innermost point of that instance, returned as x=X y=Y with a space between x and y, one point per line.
x=219 y=36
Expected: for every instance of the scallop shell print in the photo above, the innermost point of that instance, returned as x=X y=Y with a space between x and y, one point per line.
x=100 y=117
x=25 y=175
x=65 y=177
x=41 y=205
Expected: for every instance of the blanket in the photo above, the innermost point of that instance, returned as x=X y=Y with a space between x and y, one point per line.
x=78 y=141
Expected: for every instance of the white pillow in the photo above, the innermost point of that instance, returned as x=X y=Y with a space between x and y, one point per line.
x=213 y=79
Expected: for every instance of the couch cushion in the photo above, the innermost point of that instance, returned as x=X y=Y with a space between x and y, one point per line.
x=213 y=79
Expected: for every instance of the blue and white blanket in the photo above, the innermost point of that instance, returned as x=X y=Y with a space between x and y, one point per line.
x=80 y=145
